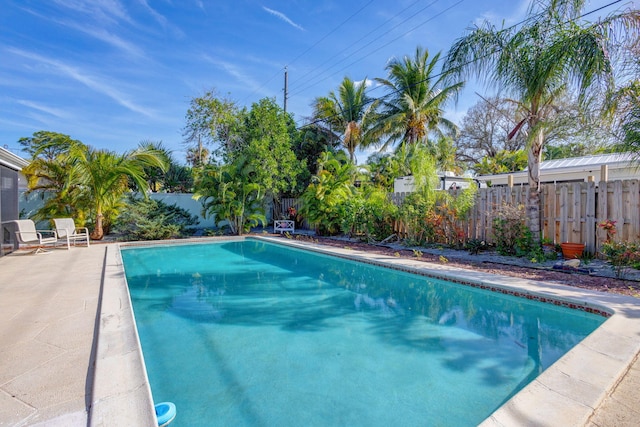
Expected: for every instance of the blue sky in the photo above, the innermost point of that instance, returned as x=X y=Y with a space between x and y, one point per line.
x=113 y=73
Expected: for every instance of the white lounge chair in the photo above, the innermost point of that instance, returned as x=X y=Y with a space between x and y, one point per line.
x=66 y=230
x=27 y=234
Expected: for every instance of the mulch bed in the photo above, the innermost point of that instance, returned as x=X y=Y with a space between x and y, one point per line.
x=464 y=260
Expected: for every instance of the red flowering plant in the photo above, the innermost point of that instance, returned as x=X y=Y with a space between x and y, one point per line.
x=610 y=227
x=621 y=255
x=292 y=212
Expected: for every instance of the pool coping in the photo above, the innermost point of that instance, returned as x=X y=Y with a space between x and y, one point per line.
x=567 y=393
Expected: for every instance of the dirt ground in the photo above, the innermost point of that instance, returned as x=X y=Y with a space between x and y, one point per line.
x=596 y=275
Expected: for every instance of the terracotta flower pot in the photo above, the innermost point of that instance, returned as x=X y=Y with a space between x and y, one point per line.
x=572 y=250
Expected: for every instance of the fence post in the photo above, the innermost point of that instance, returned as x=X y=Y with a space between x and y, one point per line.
x=604 y=173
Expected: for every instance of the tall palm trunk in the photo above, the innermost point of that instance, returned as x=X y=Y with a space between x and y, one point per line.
x=534 y=157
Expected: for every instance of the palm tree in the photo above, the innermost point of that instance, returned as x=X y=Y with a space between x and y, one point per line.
x=539 y=62
x=347 y=115
x=50 y=176
x=416 y=101
x=104 y=177
x=228 y=194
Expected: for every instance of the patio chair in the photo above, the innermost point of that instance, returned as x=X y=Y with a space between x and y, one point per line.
x=66 y=230
x=27 y=234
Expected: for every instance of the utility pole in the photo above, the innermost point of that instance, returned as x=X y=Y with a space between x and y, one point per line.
x=286 y=88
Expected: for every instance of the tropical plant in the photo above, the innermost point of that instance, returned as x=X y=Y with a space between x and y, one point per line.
x=329 y=189
x=212 y=120
x=178 y=179
x=368 y=214
x=384 y=168
x=266 y=145
x=198 y=156
x=48 y=174
x=148 y=219
x=502 y=162
x=627 y=101
x=539 y=62
x=103 y=177
x=347 y=115
x=621 y=256
x=155 y=174
x=228 y=193
x=417 y=98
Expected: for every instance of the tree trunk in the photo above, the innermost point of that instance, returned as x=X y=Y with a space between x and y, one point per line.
x=534 y=157
x=98 y=232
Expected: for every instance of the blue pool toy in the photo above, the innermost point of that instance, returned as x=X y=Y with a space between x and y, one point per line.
x=165 y=413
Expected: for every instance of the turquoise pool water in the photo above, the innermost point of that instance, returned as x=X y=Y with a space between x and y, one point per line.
x=256 y=334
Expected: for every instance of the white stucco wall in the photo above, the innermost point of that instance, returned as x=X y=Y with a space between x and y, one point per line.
x=186 y=201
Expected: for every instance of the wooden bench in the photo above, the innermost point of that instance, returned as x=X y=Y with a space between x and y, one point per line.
x=283 y=225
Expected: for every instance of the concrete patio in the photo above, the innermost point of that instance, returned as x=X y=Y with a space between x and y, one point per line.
x=50 y=315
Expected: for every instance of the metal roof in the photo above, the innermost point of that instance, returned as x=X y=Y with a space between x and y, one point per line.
x=594 y=160
x=11 y=160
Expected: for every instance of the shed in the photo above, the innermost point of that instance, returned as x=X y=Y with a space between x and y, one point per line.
x=10 y=179
x=619 y=166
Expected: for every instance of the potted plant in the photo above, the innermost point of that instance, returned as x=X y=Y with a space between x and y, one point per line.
x=572 y=250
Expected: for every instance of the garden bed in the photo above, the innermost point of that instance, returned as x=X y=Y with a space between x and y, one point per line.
x=600 y=276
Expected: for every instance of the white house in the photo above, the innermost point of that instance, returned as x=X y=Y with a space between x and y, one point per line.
x=448 y=181
x=607 y=167
x=10 y=180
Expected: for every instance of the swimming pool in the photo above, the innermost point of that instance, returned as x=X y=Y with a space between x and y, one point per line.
x=287 y=337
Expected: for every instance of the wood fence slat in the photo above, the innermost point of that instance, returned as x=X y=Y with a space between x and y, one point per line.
x=553 y=199
x=564 y=213
x=601 y=235
x=590 y=218
x=618 y=208
x=634 y=210
x=576 y=213
x=570 y=211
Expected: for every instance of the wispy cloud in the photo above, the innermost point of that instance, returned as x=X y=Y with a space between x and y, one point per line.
x=101 y=10
x=284 y=17
x=86 y=79
x=95 y=32
x=498 y=19
x=39 y=107
x=161 y=19
x=235 y=72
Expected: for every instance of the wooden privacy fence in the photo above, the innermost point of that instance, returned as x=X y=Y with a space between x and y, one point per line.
x=570 y=212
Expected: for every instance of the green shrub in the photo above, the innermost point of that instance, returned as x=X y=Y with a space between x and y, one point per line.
x=369 y=213
x=474 y=246
x=147 y=219
x=511 y=234
x=621 y=255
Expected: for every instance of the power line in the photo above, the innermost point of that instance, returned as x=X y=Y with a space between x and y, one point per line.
x=331 y=32
x=442 y=73
x=350 y=46
x=380 y=47
x=309 y=48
